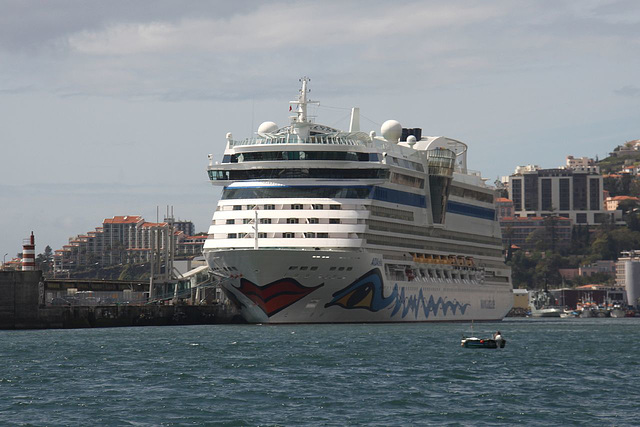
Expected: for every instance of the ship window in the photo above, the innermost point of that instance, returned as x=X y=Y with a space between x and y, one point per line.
x=246 y=220
x=323 y=235
x=292 y=221
x=314 y=221
x=335 y=207
x=349 y=268
x=269 y=207
x=288 y=235
x=226 y=158
x=340 y=268
x=333 y=192
x=265 y=220
x=262 y=235
x=310 y=235
x=293 y=267
x=297 y=206
x=304 y=268
x=332 y=268
x=230 y=221
x=314 y=268
x=232 y=236
x=237 y=207
x=317 y=206
x=334 y=220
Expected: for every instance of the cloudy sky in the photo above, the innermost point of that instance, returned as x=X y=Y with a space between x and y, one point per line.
x=111 y=107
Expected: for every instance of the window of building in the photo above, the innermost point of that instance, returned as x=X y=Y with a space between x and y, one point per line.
x=565 y=194
x=545 y=194
x=531 y=192
x=516 y=191
x=580 y=192
x=594 y=194
x=581 y=218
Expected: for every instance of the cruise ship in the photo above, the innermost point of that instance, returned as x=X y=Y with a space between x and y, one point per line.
x=320 y=225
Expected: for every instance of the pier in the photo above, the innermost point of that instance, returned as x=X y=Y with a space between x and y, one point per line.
x=26 y=302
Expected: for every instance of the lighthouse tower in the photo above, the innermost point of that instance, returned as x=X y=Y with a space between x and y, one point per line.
x=29 y=254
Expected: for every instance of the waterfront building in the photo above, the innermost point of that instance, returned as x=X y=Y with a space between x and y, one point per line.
x=123 y=239
x=628 y=275
x=520 y=298
x=576 y=194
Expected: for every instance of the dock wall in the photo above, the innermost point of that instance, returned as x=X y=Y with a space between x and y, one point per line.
x=22 y=306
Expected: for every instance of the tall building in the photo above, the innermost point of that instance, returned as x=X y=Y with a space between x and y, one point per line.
x=122 y=239
x=576 y=194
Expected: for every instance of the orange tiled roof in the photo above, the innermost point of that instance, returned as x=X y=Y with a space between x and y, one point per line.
x=127 y=219
x=154 y=224
x=621 y=198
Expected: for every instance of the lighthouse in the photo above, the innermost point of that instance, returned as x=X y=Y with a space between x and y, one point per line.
x=29 y=254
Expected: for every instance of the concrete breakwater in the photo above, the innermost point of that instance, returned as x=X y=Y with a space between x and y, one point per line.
x=22 y=306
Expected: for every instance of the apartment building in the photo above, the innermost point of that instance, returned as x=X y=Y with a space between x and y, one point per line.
x=576 y=194
x=121 y=239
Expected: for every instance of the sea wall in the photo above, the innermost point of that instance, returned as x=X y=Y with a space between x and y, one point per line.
x=22 y=306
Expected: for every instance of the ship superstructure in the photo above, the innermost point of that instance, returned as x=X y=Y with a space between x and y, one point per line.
x=321 y=225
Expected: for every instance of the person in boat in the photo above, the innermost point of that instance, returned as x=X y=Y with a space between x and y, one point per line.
x=498 y=336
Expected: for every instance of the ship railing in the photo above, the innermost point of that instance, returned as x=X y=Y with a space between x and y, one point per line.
x=296 y=139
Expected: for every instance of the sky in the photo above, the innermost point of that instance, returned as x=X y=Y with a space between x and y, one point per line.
x=111 y=107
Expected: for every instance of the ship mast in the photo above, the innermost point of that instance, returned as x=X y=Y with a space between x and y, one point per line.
x=300 y=123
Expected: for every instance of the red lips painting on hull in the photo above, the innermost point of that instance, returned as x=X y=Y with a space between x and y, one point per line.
x=275 y=296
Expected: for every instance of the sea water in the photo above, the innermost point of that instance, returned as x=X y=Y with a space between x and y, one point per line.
x=552 y=372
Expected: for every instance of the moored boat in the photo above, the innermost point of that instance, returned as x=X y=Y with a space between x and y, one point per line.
x=327 y=226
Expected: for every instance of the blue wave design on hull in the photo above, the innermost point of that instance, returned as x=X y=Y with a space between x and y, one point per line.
x=366 y=293
x=414 y=304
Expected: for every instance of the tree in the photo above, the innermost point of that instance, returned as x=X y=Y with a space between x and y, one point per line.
x=627 y=206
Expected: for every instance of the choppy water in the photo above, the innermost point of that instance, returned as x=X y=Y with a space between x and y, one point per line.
x=560 y=372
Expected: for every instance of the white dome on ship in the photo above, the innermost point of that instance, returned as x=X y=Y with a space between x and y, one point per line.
x=391 y=130
x=267 y=127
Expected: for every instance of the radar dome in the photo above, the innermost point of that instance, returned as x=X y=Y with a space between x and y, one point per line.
x=391 y=130
x=267 y=127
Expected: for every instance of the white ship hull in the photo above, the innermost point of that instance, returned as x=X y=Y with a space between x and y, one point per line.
x=297 y=286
